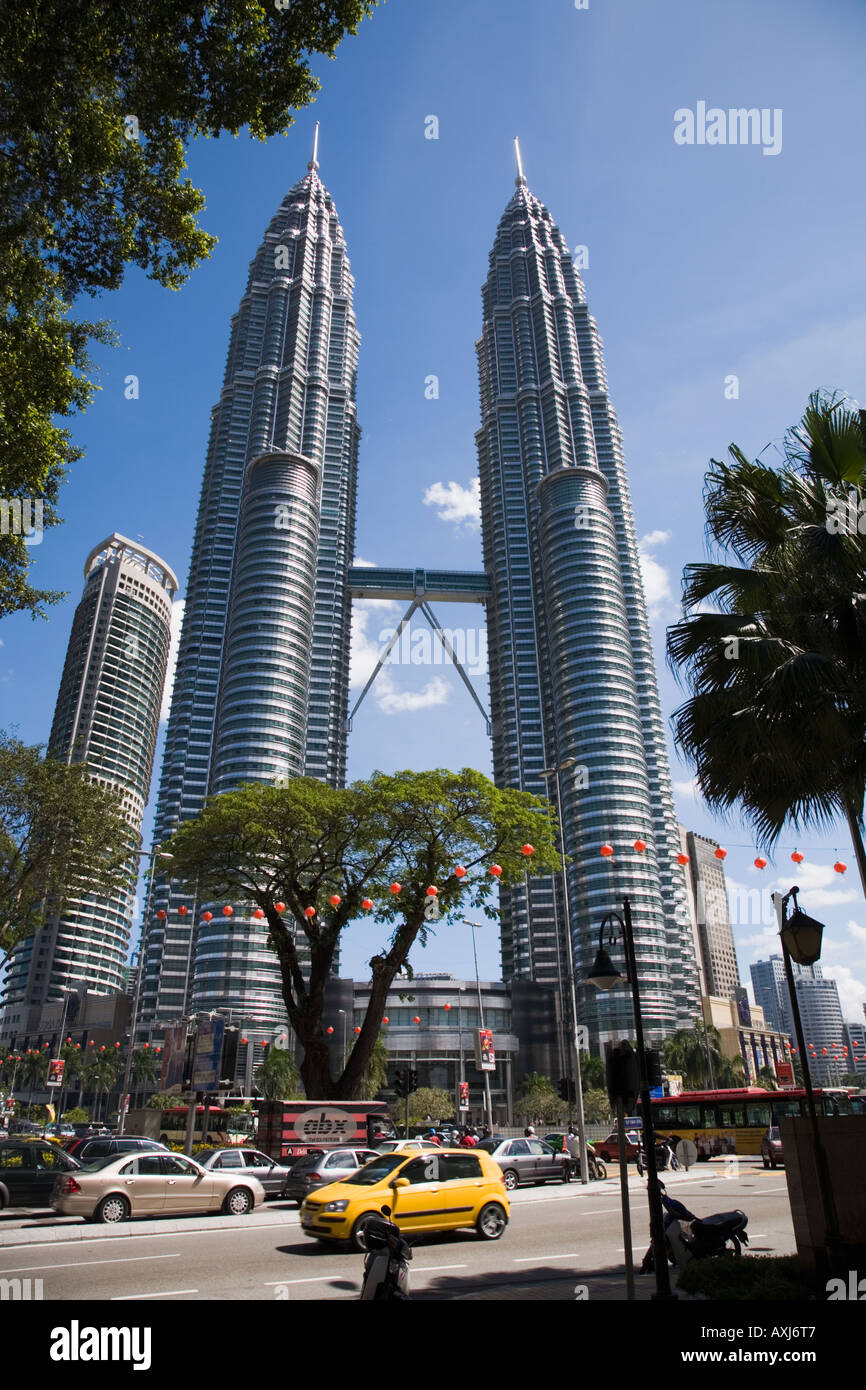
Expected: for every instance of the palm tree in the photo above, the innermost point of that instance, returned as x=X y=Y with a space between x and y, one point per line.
x=145 y=1068
x=34 y=1070
x=776 y=722
x=277 y=1078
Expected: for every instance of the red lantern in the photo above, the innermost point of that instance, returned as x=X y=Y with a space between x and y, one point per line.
x=528 y=849
x=228 y=912
x=90 y=1044
x=357 y=1030
x=432 y=892
x=330 y=1030
x=386 y=1020
x=721 y=853
x=824 y=1050
x=309 y=912
x=760 y=863
x=280 y=907
x=606 y=851
x=207 y=916
x=146 y=1046
x=460 y=872
x=117 y=1044
x=495 y=870
x=640 y=846
x=446 y=1007
x=102 y=1049
x=335 y=900
x=396 y=887
x=69 y=1040
x=792 y=1049
x=367 y=904
x=797 y=857
x=840 y=867
x=182 y=911
x=416 y=1019
x=244 y=1040
x=259 y=913
x=161 y=915
x=682 y=859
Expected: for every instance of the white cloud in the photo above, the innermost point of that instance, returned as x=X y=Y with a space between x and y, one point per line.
x=461 y=505
x=363 y=564
x=852 y=993
x=656 y=580
x=177 y=611
x=814 y=882
x=857 y=932
x=392 y=701
x=688 y=790
x=366 y=647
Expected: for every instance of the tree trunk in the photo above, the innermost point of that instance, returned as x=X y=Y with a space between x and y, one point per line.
x=856 y=839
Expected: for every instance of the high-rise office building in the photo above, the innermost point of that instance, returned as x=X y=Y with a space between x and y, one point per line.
x=261 y=688
x=823 y=1024
x=718 y=954
x=571 y=667
x=771 y=993
x=855 y=1034
x=107 y=715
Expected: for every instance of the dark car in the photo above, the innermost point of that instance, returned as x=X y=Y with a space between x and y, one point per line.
x=101 y=1146
x=771 y=1147
x=28 y=1170
x=271 y=1175
x=320 y=1169
x=527 y=1160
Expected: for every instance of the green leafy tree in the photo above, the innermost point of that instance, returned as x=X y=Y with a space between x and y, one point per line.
x=686 y=1054
x=144 y=1068
x=163 y=1100
x=767 y=1078
x=304 y=843
x=56 y=827
x=852 y=1078
x=537 y=1100
x=773 y=644
x=99 y=1075
x=592 y=1073
x=77 y=1116
x=276 y=1078
x=97 y=103
x=428 y=1103
x=376 y=1075
x=596 y=1107
x=33 y=1070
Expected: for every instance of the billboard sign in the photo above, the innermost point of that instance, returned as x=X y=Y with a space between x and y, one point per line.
x=173 y=1058
x=785 y=1075
x=55 y=1072
x=485 y=1054
x=208 y=1054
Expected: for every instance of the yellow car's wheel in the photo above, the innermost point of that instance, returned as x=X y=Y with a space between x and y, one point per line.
x=491 y=1221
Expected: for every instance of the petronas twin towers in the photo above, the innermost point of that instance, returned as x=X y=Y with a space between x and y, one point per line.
x=261 y=690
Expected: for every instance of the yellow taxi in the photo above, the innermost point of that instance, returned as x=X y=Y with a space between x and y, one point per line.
x=438 y=1190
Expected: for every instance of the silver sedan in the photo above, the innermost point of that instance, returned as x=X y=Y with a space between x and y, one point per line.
x=123 y=1186
x=273 y=1176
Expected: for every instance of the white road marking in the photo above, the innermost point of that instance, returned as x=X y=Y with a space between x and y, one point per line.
x=536 y=1259
x=279 y=1283
x=430 y=1269
x=169 y=1293
x=74 y=1264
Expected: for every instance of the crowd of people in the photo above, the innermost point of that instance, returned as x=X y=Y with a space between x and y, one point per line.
x=459 y=1136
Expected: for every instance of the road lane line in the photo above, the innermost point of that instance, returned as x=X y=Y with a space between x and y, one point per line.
x=169 y=1293
x=536 y=1259
x=76 y=1264
x=431 y=1269
x=319 y=1278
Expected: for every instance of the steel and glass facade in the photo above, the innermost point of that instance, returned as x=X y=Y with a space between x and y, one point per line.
x=571 y=669
x=261 y=690
x=107 y=716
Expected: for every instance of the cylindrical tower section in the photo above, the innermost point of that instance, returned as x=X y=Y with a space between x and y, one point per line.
x=606 y=797
x=262 y=713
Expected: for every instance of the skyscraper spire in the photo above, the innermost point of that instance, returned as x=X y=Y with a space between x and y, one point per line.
x=520 y=180
x=314 y=162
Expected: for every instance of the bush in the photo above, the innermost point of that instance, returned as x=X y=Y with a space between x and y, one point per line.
x=77 y=1116
x=748 y=1277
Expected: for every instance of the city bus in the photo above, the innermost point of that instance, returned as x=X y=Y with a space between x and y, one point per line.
x=223 y=1129
x=733 y=1121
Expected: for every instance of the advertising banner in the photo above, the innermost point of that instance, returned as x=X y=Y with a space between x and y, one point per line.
x=173 y=1058
x=208 y=1054
x=485 y=1055
x=55 y=1072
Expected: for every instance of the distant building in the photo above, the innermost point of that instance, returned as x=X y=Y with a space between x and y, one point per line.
x=718 y=956
x=749 y=1034
x=107 y=716
x=855 y=1034
x=771 y=992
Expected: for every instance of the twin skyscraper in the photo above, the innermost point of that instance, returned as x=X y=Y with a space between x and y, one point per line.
x=262 y=681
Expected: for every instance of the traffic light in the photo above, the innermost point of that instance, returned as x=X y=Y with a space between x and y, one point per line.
x=623 y=1077
x=654 y=1067
x=412 y=1082
x=563 y=1088
x=400 y=1088
x=567 y=1090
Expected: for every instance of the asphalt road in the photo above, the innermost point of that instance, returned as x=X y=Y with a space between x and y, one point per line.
x=556 y=1233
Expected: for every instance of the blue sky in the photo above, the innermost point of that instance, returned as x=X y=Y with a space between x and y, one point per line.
x=704 y=262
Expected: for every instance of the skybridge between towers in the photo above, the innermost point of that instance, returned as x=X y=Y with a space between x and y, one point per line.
x=417 y=587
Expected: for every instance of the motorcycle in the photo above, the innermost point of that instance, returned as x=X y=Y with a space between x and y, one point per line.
x=386 y=1264
x=689 y=1237
x=597 y=1169
x=665 y=1157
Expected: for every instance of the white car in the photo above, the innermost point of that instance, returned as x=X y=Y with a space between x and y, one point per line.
x=391 y=1146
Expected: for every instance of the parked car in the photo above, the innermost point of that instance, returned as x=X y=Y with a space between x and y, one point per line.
x=271 y=1175
x=427 y=1192
x=526 y=1160
x=608 y=1149
x=319 y=1170
x=102 y=1146
x=120 y=1187
x=771 y=1147
x=28 y=1170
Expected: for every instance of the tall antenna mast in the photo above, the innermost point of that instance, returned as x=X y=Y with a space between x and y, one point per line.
x=314 y=162
x=520 y=180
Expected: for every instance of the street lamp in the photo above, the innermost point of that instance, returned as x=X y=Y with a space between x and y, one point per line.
x=604 y=976
x=133 y=1021
x=800 y=936
x=574 y=1047
x=477 y=926
x=343 y=1012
